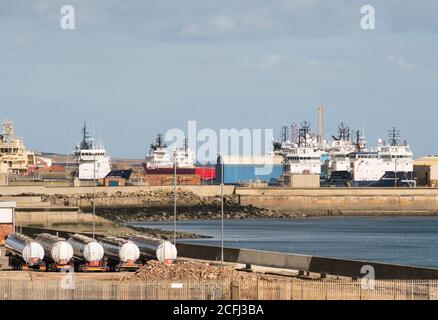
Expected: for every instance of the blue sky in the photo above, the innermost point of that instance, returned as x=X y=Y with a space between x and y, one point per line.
x=136 y=68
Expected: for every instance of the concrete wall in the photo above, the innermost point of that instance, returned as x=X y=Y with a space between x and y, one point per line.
x=304 y=181
x=3 y=179
x=342 y=200
x=322 y=265
x=51 y=218
x=309 y=200
x=200 y=190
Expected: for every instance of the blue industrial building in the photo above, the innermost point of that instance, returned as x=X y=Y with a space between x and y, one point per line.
x=244 y=169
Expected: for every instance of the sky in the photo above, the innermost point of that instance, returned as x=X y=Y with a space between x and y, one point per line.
x=133 y=69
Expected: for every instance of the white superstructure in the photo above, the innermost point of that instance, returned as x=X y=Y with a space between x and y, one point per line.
x=14 y=158
x=396 y=156
x=160 y=157
x=304 y=155
x=91 y=157
x=366 y=167
x=339 y=150
x=389 y=165
x=184 y=157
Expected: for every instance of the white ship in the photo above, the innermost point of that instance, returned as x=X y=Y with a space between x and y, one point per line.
x=160 y=157
x=389 y=165
x=14 y=158
x=339 y=150
x=397 y=156
x=91 y=157
x=302 y=156
x=184 y=156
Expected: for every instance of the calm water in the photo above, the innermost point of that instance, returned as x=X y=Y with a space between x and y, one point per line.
x=406 y=240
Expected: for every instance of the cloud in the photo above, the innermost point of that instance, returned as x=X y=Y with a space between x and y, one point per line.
x=270 y=61
x=223 y=24
x=191 y=29
x=273 y=60
x=400 y=61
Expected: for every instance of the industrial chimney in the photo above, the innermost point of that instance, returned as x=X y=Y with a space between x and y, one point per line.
x=320 y=125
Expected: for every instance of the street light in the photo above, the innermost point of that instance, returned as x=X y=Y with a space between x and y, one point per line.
x=174 y=198
x=222 y=207
x=94 y=191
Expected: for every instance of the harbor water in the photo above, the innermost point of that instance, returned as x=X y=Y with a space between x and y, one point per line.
x=397 y=240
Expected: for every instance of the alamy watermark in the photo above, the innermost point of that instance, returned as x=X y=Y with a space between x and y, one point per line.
x=368 y=281
x=368 y=21
x=68 y=18
x=68 y=279
x=207 y=144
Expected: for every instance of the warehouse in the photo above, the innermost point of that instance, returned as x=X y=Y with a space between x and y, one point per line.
x=426 y=171
x=244 y=169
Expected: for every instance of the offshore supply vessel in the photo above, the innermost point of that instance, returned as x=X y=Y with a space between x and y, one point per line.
x=302 y=155
x=389 y=165
x=92 y=159
x=161 y=162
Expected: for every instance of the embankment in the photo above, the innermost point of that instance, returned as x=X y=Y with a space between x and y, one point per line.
x=145 y=203
x=344 y=201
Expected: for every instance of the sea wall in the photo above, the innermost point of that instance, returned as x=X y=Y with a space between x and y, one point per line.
x=212 y=190
x=318 y=201
x=56 y=218
x=332 y=201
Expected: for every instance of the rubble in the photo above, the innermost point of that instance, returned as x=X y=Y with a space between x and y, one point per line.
x=185 y=271
x=154 y=206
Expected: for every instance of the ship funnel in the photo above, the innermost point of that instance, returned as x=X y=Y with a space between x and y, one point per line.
x=320 y=125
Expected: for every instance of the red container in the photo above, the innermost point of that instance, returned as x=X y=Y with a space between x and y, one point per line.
x=206 y=173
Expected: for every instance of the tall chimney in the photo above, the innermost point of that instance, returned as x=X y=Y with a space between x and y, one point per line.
x=320 y=125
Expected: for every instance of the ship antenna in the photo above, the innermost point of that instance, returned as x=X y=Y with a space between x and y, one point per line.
x=303 y=132
x=284 y=133
x=394 y=136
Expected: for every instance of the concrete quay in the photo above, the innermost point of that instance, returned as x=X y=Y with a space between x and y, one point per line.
x=309 y=201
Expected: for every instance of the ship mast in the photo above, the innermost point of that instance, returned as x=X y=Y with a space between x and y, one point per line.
x=303 y=133
x=87 y=141
x=8 y=131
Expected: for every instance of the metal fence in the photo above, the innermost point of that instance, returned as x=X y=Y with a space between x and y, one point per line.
x=260 y=289
x=296 y=289
x=112 y=290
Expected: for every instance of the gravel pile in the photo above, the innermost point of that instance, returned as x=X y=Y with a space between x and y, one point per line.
x=185 y=270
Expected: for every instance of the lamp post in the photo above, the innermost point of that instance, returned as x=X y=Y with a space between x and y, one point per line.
x=222 y=207
x=94 y=191
x=174 y=197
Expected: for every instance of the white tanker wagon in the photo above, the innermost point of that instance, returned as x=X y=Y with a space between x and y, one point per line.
x=88 y=253
x=153 y=248
x=58 y=252
x=24 y=253
x=121 y=254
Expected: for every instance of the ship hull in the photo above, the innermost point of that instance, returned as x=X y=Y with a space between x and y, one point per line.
x=343 y=179
x=389 y=179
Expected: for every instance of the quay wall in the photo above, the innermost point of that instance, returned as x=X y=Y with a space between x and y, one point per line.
x=55 y=218
x=318 y=201
x=212 y=190
x=326 y=201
